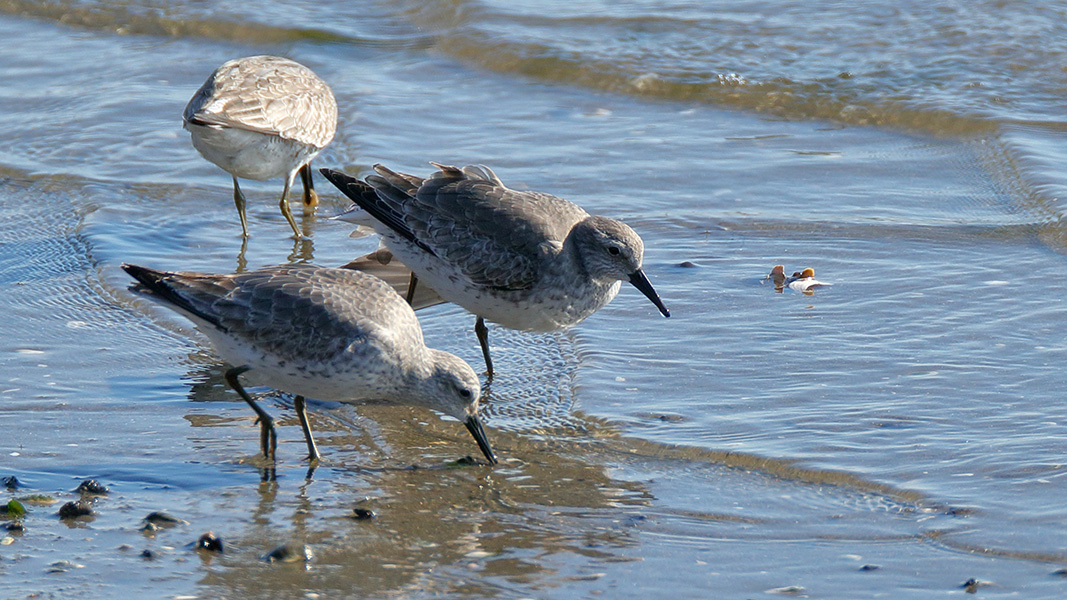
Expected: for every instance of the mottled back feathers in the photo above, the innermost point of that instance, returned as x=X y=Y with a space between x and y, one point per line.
x=303 y=311
x=269 y=95
x=498 y=237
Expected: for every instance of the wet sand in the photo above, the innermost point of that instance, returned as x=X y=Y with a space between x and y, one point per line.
x=898 y=433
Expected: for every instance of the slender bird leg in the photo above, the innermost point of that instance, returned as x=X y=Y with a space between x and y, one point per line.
x=268 y=437
x=311 y=199
x=483 y=338
x=299 y=405
x=414 y=281
x=285 y=205
x=239 y=201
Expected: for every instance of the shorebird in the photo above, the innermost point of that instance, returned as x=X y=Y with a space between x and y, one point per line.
x=263 y=117
x=331 y=334
x=804 y=281
x=777 y=276
x=801 y=281
x=525 y=260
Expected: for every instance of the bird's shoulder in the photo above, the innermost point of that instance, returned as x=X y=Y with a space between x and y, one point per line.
x=308 y=310
x=498 y=236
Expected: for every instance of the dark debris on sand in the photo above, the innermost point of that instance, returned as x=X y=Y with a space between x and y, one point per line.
x=92 y=487
x=75 y=510
x=289 y=553
x=209 y=542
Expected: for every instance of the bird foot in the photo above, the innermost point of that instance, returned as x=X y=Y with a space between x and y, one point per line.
x=268 y=437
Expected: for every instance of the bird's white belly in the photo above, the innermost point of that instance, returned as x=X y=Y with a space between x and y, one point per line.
x=250 y=155
x=544 y=308
x=339 y=379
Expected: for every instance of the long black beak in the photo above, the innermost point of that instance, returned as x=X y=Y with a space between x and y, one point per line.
x=641 y=282
x=475 y=427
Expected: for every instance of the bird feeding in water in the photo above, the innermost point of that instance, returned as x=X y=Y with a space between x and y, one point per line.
x=330 y=334
x=523 y=259
x=263 y=117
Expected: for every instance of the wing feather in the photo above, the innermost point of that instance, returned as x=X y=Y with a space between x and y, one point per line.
x=268 y=95
x=301 y=311
x=495 y=235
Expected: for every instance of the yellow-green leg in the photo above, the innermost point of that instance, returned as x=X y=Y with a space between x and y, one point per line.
x=285 y=205
x=239 y=201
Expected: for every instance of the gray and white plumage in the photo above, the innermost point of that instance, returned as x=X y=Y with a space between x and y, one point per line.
x=382 y=264
x=262 y=117
x=331 y=334
x=525 y=260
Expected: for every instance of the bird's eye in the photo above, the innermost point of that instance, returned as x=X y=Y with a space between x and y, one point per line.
x=465 y=393
x=613 y=250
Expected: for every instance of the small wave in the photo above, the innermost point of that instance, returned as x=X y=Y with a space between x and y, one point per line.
x=131 y=20
x=672 y=66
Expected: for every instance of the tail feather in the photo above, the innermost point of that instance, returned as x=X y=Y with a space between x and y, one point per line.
x=378 y=203
x=155 y=283
x=151 y=280
x=408 y=184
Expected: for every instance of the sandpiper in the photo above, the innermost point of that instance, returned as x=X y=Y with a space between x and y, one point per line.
x=263 y=117
x=804 y=281
x=525 y=260
x=801 y=281
x=777 y=276
x=330 y=334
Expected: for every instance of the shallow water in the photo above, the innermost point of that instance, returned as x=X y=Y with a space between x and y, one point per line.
x=907 y=418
